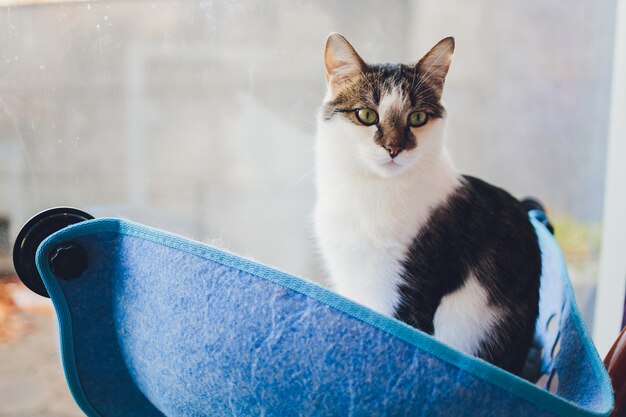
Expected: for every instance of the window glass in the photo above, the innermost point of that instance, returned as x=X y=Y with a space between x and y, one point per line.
x=198 y=117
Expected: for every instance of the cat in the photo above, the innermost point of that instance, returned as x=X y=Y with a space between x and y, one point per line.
x=400 y=230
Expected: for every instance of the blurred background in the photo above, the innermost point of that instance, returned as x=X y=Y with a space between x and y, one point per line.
x=198 y=117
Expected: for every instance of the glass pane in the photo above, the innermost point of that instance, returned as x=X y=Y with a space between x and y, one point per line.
x=198 y=117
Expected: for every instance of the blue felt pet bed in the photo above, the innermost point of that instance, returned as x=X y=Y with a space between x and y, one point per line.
x=158 y=325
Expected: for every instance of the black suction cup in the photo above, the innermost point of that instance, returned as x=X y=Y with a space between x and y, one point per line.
x=32 y=234
x=530 y=203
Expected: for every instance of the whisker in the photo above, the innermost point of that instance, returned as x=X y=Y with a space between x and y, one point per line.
x=423 y=98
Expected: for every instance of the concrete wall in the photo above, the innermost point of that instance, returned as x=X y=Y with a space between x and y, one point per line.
x=199 y=116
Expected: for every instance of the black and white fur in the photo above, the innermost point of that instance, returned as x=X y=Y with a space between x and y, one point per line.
x=403 y=232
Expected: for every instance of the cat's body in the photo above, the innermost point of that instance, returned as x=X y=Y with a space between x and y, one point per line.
x=400 y=230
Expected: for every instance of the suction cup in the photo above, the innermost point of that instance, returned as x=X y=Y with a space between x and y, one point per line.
x=35 y=231
x=530 y=203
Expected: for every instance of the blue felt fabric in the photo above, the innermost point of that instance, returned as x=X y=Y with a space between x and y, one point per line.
x=160 y=325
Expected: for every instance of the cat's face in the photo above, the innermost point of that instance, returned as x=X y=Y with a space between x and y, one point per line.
x=389 y=117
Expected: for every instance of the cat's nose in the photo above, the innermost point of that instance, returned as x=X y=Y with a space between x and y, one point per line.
x=393 y=150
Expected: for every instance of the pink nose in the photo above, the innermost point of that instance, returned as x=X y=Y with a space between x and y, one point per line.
x=393 y=150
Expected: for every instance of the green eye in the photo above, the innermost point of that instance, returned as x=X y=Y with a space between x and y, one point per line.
x=417 y=119
x=367 y=116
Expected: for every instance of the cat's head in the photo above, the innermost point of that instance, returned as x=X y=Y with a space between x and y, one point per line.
x=385 y=118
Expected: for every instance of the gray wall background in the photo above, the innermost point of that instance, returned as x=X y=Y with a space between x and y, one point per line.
x=199 y=116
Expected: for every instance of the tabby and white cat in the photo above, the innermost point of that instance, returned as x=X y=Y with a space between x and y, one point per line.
x=400 y=230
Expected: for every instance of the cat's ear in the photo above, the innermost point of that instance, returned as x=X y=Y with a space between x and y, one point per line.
x=341 y=60
x=434 y=66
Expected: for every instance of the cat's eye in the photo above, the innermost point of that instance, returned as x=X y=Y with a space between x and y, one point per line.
x=367 y=116
x=417 y=119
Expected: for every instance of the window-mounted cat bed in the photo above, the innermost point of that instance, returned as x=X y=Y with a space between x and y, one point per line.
x=154 y=324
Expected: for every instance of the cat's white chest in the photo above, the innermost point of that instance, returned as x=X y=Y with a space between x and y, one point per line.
x=363 y=252
x=365 y=228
